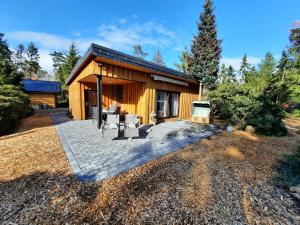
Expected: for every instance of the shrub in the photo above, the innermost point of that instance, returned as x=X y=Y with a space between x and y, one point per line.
x=247 y=104
x=14 y=105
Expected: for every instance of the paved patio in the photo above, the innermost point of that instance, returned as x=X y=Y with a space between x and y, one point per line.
x=94 y=158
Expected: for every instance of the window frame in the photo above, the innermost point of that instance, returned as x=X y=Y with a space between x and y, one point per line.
x=168 y=105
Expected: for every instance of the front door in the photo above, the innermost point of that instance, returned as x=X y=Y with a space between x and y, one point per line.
x=90 y=100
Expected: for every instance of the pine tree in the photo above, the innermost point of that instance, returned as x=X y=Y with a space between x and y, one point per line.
x=295 y=44
x=293 y=75
x=283 y=66
x=64 y=63
x=32 y=60
x=58 y=59
x=19 y=57
x=206 y=48
x=185 y=61
x=244 y=68
x=42 y=74
x=8 y=71
x=158 y=58
x=138 y=52
x=222 y=73
x=231 y=76
x=267 y=67
x=279 y=83
x=227 y=74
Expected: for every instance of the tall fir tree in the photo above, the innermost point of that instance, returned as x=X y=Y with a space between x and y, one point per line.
x=293 y=75
x=227 y=74
x=231 y=76
x=139 y=52
x=244 y=68
x=158 y=58
x=267 y=67
x=19 y=57
x=185 y=61
x=206 y=48
x=295 y=46
x=279 y=82
x=32 y=60
x=72 y=57
x=58 y=59
x=64 y=63
x=8 y=71
x=222 y=73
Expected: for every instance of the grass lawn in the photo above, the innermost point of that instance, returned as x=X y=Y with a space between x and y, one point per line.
x=230 y=177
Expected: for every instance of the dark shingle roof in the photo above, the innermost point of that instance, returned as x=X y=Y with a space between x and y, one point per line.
x=41 y=86
x=98 y=50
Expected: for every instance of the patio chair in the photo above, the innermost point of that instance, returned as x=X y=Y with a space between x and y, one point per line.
x=131 y=126
x=112 y=109
x=111 y=126
x=93 y=113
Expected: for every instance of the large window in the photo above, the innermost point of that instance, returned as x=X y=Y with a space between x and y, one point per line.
x=167 y=104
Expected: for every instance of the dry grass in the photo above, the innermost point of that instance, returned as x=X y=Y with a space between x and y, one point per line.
x=36 y=185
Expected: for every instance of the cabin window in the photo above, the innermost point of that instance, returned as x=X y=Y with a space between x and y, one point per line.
x=167 y=104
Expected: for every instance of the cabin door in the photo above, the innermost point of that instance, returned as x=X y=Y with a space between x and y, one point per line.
x=90 y=100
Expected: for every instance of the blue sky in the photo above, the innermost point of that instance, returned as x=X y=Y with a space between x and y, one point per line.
x=253 y=27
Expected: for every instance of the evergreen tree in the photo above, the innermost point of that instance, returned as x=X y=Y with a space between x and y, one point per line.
x=138 y=52
x=185 y=61
x=295 y=46
x=42 y=74
x=19 y=58
x=206 y=48
x=227 y=74
x=158 y=58
x=222 y=73
x=231 y=76
x=251 y=74
x=32 y=60
x=278 y=84
x=293 y=74
x=244 y=68
x=64 y=63
x=267 y=67
x=283 y=66
x=58 y=59
x=8 y=71
x=72 y=57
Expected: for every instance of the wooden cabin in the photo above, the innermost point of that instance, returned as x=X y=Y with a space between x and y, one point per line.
x=42 y=92
x=107 y=77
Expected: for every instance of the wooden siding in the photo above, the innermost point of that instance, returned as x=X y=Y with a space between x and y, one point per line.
x=138 y=97
x=39 y=98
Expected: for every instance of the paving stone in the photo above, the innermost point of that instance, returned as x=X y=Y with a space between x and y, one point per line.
x=95 y=158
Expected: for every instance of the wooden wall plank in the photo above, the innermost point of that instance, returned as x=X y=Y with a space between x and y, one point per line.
x=139 y=97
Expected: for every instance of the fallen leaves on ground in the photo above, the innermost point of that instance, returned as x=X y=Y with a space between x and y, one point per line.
x=223 y=179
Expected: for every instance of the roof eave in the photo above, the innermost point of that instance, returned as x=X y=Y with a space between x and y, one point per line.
x=93 y=51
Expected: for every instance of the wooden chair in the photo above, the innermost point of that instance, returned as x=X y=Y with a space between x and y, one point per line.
x=131 y=126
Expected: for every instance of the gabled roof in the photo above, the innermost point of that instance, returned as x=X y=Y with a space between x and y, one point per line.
x=101 y=51
x=41 y=86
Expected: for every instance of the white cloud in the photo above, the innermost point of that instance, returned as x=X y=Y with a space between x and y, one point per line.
x=120 y=34
x=46 y=60
x=45 y=40
x=236 y=61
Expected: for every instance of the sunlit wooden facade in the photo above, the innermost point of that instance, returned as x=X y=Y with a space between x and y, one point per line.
x=135 y=85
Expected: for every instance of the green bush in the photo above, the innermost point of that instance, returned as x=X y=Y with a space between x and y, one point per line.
x=245 y=104
x=14 y=105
